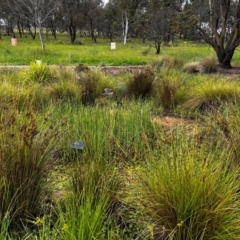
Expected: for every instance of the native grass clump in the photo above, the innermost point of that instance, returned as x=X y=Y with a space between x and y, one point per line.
x=226 y=121
x=65 y=86
x=210 y=94
x=166 y=87
x=188 y=194
x=37 y=72
x=94 y=84
x=144 y=170
x=192 y=67
x=86 y=212
x=141 y=84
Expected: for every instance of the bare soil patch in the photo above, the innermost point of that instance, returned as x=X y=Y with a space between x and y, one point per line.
x=230 y=72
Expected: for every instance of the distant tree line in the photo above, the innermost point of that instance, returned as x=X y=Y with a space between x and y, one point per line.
x=215 y=21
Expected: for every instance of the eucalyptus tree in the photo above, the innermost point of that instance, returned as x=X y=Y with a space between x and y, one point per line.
x=73 y=15
x=215 y=21
x=93 y=15
x=123 y=12
x=154 y=19
x=35 y=12
x=111 y=21
x=7 y=18
x=222 y=28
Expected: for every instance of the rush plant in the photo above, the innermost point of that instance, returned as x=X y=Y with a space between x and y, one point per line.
x=25 y=151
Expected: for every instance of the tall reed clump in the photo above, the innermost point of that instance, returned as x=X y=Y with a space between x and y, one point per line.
x=114 y=134
x=189 y=192
x=86 y=210
x=25 y=150
x=141 y=84
x=212 y=93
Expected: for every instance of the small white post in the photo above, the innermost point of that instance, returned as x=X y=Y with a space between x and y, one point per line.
x=39 y=62
x=113 y=45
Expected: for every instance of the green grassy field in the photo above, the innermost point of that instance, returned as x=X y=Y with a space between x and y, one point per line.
x=60 y=51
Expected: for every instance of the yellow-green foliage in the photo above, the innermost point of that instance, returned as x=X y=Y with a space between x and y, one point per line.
x=37 y=72
x=8 y=92
x=36 y=94
x=64 y=89
x=212 y=93
x=64 y=73
x=227 y=120
x=188 y=192
x=88 y=207
x=65 y=85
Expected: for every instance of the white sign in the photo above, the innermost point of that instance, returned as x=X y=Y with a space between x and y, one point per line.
x=39 y=62
x=113 y=45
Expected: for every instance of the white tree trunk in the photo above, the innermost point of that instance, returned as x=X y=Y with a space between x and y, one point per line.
x=124 y=26
x=41 y=38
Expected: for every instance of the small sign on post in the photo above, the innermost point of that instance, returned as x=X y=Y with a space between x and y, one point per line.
x=113 y=45
x=14 y=41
